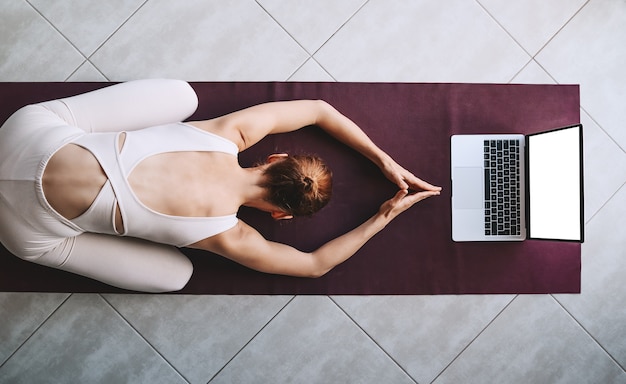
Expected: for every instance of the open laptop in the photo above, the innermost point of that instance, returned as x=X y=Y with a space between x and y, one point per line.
x=514 y=187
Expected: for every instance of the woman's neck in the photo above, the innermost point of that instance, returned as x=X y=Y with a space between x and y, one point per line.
x=252 y=194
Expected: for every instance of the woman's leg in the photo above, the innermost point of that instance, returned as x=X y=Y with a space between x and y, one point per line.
x=127 y=106
x=42 y=237
x=128 y=263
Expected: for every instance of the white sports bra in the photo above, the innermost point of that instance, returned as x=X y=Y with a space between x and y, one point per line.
x=139 y=220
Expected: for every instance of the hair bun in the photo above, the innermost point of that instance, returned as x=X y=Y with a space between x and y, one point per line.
x=299 y=185
x=307 y=184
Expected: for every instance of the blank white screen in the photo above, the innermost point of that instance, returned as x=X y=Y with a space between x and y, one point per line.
x=554 y=177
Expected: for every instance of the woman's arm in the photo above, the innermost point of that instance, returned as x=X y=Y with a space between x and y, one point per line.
x=246 y=246
x=346 y=131
x=249 y=126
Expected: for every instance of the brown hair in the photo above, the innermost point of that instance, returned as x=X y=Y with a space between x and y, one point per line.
x=299 y=185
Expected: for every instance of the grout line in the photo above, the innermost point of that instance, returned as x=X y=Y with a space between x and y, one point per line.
x=110 y=36
x=36 y=330
x=605 y=203
x=74 y=71
x=547 y=42
x=588 y=333
x=99 y=71
x=320 y=47
x=560 y=29
x=603 y=130
x=306 y=61
x=546 y=71
x=143 y=338
x=114 y=32
x=298 y=68
x=56 y=29
x=87 y=57
x=504 y=29
x=372 y=340
x=533 y=57
x=251 y=339
x=324 y=69
x=341 y=27
x=520 y=71
x=475 y=338
x=333 y=35
x=281 y=26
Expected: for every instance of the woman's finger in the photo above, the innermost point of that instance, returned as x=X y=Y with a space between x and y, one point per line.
x=418 y=183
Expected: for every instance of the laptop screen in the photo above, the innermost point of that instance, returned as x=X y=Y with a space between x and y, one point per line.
x=555 y=184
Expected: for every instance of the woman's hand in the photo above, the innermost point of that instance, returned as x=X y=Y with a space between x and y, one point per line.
x=405 y=179
x=402 y=201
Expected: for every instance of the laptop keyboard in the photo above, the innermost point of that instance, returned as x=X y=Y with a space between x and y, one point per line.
x=502 y=187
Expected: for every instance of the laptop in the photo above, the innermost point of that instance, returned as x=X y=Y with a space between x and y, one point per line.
x=516 y=187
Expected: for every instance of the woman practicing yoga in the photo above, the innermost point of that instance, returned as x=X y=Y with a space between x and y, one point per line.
x=109 y=183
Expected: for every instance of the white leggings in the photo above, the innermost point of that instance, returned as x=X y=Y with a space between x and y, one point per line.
x=33 y=231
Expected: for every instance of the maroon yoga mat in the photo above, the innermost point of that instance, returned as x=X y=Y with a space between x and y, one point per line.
x=414 y=254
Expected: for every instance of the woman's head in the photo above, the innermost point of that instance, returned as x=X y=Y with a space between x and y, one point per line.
x=299 y=185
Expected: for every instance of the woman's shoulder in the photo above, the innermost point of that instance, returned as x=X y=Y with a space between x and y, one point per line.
x=221 y=128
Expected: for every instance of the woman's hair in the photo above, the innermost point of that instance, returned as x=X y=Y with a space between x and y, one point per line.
x=300 y=185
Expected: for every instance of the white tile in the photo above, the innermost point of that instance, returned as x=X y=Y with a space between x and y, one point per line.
x=311 y=71
x=21 y=314
x=532 y=23
x=200 y=40
x=423 y=333
x=311 y=23
x=311 y=341
x=198 y=334
x=422 y=41
x=601 y=306
x=86 y=23
x=605 y=166
x=532 y=73
x=533 y=341
x=590 y=51
x=85 y=341
x=87 y=72
x=30 y=49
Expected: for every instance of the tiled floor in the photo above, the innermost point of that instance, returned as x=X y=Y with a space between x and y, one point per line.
x=62 y=338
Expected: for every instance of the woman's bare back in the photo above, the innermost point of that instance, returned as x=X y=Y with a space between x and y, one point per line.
x=192 y=184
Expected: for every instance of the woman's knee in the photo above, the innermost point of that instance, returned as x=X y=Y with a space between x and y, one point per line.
x=178 y=277
x=185 y=93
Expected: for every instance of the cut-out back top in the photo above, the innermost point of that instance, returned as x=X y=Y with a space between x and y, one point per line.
x=139 y=220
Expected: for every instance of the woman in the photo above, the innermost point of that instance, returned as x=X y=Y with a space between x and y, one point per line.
x=107 y=184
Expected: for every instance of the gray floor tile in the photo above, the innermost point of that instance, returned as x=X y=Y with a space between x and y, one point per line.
x=311 y=23
x=198 y=334
x=21 y=314
x=533 y=341
x=605 y=166
x=311 y=341
x=200 y=40
x=85 y=341
x=30 y=48
x=545 y=17
x=86 y=23
x=423 y=333
x=601 y=307
x=589 y=50
x=421 y=41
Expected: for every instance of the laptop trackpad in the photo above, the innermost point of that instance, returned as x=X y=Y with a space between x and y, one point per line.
x=468 y=188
